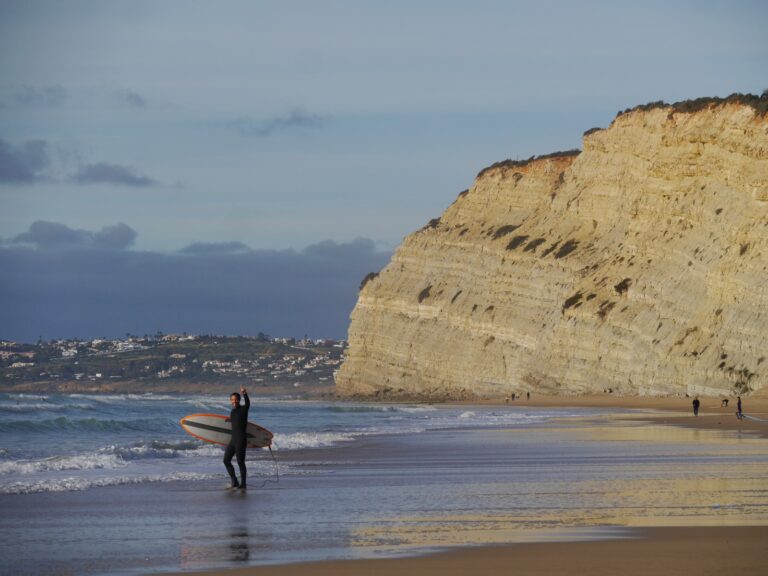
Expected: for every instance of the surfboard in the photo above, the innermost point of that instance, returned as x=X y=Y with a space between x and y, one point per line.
x=217 y=429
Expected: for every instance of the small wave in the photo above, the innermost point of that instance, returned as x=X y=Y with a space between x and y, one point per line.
x=363 y=409
x=73 y=484
x=15 y=407
x=59 y=463
x=88 y=424
x=468 y=414
x=299 y=440
x=117 y=398
x=358 y=409
x=162 y=449
x=416 y=409
x=23 y=396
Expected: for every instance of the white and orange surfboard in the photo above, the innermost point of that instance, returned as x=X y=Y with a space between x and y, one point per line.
x=217 y=429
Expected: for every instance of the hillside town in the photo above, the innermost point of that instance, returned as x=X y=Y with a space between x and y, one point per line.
x=170 y=360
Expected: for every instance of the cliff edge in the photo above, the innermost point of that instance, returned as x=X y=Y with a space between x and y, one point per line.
x=639 y=265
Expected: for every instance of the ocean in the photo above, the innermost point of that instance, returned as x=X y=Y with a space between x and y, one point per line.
x=60 y=443
x=111 y=484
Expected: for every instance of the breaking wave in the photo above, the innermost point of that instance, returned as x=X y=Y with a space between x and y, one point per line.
x=71 y=484
x=59 y=463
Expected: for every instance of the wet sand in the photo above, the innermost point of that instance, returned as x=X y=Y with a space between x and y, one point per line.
x=701 y=551
x=645 y=549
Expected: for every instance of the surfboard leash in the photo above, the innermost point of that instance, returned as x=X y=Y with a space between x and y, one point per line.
x=277 y=470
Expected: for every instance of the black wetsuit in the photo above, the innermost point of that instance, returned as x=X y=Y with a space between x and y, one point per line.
x=239 y=419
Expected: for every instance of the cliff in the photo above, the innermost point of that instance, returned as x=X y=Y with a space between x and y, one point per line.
x=638 y=265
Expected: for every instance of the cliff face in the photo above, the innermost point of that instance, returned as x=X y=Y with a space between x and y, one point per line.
x=639 y=265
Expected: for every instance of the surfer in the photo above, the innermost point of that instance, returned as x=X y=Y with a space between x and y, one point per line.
x=236 y=447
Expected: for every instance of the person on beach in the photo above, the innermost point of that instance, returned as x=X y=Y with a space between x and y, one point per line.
x=239 y=420
x=739 y=413
x=696 y=405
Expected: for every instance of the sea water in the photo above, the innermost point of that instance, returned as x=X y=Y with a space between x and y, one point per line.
x=111 y=484
x=55 y=443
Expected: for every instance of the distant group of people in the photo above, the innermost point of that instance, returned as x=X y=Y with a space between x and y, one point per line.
x=724 y=404
x=514 y=396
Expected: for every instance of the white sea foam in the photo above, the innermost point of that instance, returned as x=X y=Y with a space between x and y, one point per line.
x=71 y=484
x=299 y=440
x=158 y=449
x=59 y=463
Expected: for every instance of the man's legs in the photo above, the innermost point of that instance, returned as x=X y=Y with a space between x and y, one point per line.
x=240 y=451
x=228 y=453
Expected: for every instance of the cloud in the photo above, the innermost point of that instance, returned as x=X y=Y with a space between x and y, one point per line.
x=25 y=163
x=296 y=119
x=46 y=96
x=54 y=236
x=85 y=292
x=132 y=98
x=104 y=173
x=115 y=237
x=215 y=248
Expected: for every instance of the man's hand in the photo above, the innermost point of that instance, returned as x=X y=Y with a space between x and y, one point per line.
x=242 y=390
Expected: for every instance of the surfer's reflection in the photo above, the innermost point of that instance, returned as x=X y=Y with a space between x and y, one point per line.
x=236 y=538
x=240 y=549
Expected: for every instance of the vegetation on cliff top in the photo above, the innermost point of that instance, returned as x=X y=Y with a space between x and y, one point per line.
x=759 y=103
x=519 y=163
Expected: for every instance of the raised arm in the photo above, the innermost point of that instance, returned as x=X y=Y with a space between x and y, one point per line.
x=244 y=394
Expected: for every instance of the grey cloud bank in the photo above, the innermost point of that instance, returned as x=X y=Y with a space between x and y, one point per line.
x=215 y=248
x=56 y=236
x=76 y=283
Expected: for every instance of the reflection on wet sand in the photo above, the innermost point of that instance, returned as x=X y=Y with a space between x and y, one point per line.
x=239 y=545
x=721 y=483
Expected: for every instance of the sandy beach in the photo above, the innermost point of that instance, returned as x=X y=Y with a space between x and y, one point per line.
x=648 y=545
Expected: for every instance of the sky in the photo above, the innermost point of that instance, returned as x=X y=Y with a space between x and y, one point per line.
x=238 y=167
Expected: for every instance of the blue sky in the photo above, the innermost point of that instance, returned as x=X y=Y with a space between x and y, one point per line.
x=277 y=126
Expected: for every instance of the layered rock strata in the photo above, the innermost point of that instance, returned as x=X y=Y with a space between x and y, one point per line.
x=639 y=265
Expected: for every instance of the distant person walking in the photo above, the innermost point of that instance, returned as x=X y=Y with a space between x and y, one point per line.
x=696 y=405
x=739 y=413
x=239 y=420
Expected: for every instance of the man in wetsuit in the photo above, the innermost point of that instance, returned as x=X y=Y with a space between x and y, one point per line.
x=239 y=419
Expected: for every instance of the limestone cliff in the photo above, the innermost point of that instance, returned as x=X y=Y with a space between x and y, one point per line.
x=639 y=264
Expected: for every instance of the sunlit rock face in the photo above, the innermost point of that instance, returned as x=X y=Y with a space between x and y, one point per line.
x=638 y=265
